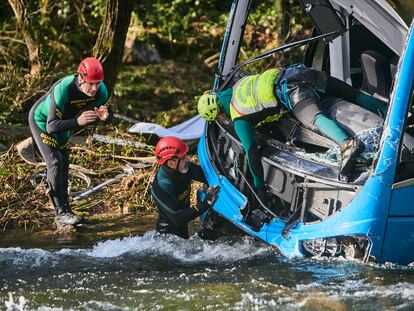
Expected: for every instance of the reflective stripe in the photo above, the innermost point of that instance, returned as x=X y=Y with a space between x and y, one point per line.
x=253 y=94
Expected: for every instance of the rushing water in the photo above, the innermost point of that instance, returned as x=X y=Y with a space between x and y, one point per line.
x=155 y=272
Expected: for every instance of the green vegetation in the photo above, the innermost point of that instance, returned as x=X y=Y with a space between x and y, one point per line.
x=186 y=33
x=163 y=93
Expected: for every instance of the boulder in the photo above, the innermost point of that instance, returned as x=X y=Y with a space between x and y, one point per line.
x=3 y=148
x=11 y=133
x=138 y=52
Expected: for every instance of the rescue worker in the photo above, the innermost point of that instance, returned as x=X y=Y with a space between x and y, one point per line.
x=74 y=101
x=266 y=97
x=171 y=187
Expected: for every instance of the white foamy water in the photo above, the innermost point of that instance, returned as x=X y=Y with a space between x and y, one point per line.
x=151 y=244
x=159 y=272
x=192 y=250
x=15 y=304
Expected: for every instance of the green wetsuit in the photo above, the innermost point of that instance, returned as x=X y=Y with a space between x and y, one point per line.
x=244 y=130
x=51 y=120
x=56 y=112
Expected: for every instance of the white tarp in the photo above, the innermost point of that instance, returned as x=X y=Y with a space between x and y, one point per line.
x=191 y=129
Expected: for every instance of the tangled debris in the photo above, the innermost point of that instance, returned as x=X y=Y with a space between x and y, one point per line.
x=23 y=201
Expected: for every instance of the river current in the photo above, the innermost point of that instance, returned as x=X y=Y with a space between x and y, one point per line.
x=158 y=272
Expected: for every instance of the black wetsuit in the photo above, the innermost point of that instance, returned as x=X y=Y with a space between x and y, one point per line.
x=171 y=192
x=304 y=89
x=52 y=119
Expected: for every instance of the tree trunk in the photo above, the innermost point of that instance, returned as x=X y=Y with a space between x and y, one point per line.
x=30 y=28
x=109 y=46
x=285 y=20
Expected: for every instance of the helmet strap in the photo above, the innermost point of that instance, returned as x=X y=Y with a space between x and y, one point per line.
x=176 y=168
x=80 y=80
x=178 y=165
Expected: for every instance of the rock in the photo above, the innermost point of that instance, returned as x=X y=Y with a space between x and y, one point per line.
x=66 y=231
x=13 y=133
x=138 y=52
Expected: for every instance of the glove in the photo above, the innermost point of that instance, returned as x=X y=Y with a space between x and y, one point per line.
x=209 y=199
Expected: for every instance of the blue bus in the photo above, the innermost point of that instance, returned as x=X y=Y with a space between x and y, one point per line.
x=312 y=212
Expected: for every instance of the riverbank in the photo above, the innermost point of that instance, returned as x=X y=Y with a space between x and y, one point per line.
x=23 y=202
x=99 y=227
x=144 y=93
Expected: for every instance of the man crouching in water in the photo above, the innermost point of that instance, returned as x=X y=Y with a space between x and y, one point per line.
x=73 y=101
x=171 y=188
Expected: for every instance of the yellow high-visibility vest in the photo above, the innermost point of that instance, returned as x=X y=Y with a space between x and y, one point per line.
x=253 y=94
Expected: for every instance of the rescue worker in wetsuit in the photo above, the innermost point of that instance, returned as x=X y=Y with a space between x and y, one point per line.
x=73 y=101
x=266 y=97
x=171 y=188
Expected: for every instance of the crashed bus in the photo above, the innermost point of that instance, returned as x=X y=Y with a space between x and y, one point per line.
x=312 y=212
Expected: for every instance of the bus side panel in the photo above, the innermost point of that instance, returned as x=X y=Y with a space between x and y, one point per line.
x=399 y=240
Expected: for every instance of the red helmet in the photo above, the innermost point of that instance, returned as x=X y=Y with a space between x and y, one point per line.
x=90 y=70
x=170 y=147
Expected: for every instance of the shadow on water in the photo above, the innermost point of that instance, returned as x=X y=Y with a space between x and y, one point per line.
x=98 y=228
x=155 y=272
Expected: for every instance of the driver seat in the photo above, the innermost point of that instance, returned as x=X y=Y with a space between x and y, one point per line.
x=376 y=74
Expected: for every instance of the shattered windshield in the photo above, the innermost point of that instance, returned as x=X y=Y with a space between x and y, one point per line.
x=370 y=137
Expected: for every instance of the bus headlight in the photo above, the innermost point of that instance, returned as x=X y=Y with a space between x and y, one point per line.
x=350 y=246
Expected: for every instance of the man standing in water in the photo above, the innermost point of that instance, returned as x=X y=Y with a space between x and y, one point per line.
x=171 y=188
x=73 y=101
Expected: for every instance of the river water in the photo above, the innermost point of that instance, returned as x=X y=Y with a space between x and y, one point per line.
x=155 y=272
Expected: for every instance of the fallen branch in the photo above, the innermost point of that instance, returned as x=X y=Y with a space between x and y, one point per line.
x=150 y=160
x=121 y=117
x=120 y=142
x=25 y=149
x=128 y=171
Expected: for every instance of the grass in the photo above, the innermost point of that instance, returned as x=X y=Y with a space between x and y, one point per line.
x=163 y=93
x=23 y=200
